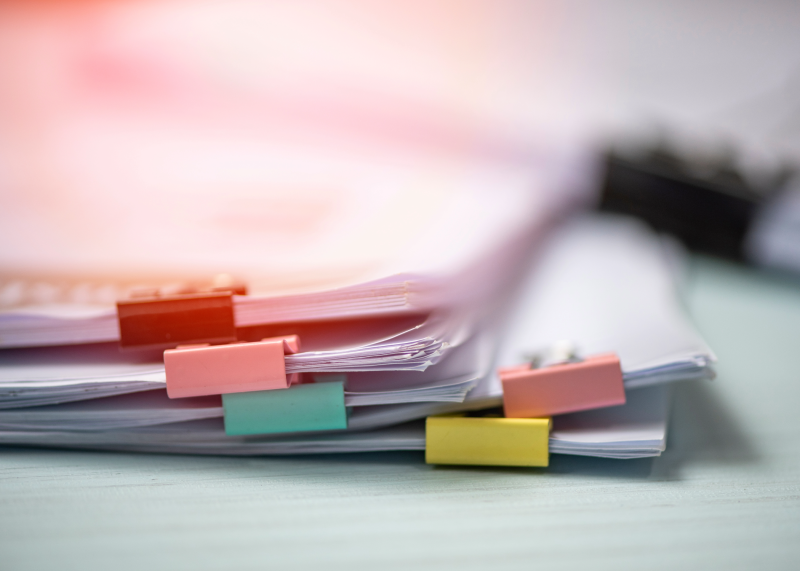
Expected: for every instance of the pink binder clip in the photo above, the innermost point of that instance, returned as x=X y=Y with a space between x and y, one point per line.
x=570 y=386
x=200 y=370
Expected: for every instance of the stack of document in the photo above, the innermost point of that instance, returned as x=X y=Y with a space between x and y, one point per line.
x=606 y=284
x=408 y=244
x=388 y=280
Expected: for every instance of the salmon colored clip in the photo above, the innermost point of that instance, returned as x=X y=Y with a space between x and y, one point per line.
x=595 y=382
x=200 y=370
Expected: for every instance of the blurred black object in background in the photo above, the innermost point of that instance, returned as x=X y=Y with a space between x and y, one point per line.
x=709 y=204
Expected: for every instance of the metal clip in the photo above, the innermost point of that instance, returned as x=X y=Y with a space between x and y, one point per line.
x=559 y=353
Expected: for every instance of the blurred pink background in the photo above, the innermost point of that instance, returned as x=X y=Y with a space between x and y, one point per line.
x=112 y=111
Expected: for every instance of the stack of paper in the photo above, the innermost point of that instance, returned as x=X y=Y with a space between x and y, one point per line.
x=70 y=323
x=635 y=430
x=49 y=376
x=392 y=238
x=629 y=306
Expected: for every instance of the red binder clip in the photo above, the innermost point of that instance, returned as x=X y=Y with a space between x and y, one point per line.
x=179 y=314
x=157 y=322
x=567 y=385
x=201 y=370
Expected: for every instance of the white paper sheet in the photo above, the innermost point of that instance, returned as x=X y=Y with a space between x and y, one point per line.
x=606 y=284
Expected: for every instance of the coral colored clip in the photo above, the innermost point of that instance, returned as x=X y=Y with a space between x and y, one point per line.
x=595 y=382
x=200 y=370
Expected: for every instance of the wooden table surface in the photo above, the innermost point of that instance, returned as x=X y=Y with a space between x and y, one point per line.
x=726 y=494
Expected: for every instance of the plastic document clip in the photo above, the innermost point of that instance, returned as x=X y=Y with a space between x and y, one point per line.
x=485 y=441
x=200 y=370
x=595 y=382
x=315 y=406
x=158 y=322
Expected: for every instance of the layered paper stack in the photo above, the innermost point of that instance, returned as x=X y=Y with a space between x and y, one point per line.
x=605 y=284
x=395 y=237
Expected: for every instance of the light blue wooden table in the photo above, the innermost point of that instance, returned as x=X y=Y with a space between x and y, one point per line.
x=725 y=495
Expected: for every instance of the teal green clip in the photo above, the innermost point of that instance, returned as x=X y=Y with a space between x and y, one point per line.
x=300 y=408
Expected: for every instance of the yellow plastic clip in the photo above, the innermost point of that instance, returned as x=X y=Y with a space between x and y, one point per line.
x=486 y=441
